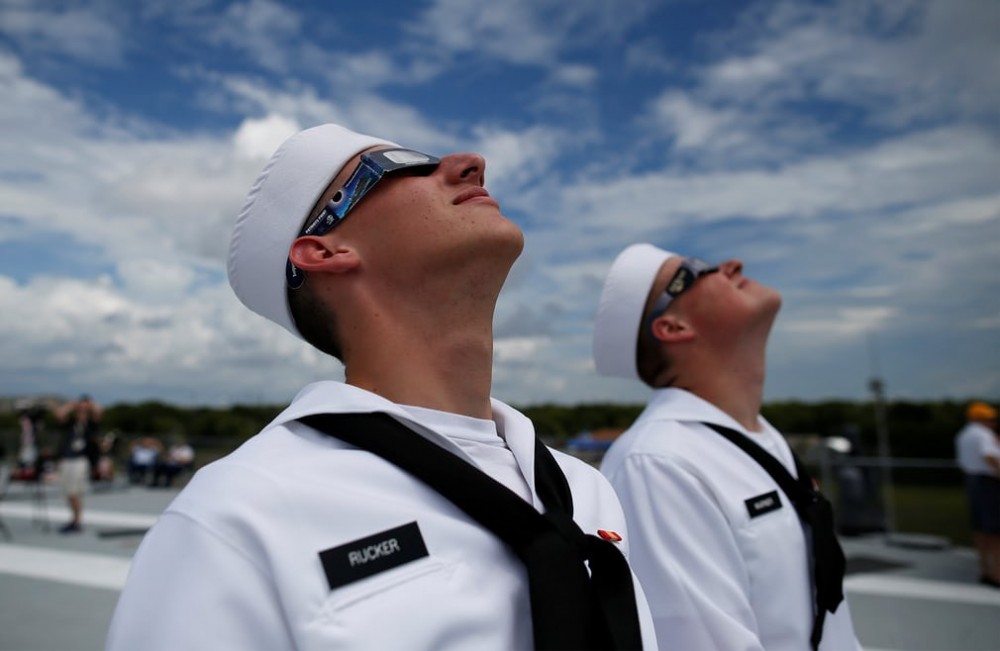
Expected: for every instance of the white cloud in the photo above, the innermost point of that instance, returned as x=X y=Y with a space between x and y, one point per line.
x=200 y=347
x=989 y=322
x=81 y=33
x=848 y=157
x=369 y=69
x=32 y=110
x=694 y=125
x=515 y=158
x=166 y=281
x=518 y=349
x=847 y=322
x=505 y=31
x=901 y=62
x=648 y=55
x=263 y=29
x=527 y=32
x=258 y=139
x=575 y=75
x=916 y=168
x=755 y=70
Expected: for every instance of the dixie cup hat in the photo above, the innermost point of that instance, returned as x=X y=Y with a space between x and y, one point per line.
x=620 y=310
x=278 y=203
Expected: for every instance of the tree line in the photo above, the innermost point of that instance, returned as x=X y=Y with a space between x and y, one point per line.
x=921 y=429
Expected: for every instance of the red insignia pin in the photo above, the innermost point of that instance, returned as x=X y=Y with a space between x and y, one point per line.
x=613 y=536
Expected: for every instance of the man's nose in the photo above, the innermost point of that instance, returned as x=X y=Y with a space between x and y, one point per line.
x=731 y=267
x=464 y=168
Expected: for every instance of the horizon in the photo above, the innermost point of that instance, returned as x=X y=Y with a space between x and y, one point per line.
x=15 y=403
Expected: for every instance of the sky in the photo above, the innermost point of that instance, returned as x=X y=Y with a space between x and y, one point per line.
x=848 y=152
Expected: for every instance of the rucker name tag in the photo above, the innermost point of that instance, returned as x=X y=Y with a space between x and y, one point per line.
x=376 y=553
x=763 y=504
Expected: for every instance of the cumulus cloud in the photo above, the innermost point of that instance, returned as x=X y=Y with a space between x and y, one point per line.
x=532 y=33
x=261 y=28
x=82 y=33
x=257 y=139
x=846 y=151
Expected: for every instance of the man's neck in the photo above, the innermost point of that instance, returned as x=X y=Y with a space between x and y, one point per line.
x=433 y=362
x=735 y=387
x=743 y=407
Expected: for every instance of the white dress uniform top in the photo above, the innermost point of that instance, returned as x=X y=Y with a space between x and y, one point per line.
x=973 y=444
x=723 y=563
x=242 y=543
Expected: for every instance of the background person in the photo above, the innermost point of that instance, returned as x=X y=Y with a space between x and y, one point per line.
x=31 y=418
x=77 y=454
x=719 y=549
x=178 y=458
x=144 y=454
x=978 y=455
x=390 y=260
x=107 y=446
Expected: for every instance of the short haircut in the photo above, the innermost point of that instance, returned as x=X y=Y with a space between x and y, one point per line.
x=316 y=321
x=650 y=359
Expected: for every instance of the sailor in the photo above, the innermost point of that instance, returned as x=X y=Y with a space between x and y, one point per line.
x=720 y=547
x=977 y=451
x=359 y=518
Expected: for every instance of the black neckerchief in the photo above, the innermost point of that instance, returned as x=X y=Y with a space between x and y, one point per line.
x=571 y=608
x=828 y=563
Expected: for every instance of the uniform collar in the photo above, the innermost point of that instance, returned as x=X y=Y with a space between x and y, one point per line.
x=682 y=405
x=329 y=397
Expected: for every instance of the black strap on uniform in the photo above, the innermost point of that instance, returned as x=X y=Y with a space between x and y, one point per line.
x=828 y=563
x=571 y=608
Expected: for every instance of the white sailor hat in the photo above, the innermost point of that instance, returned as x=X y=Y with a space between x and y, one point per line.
x=279 y=202
x=620 y=311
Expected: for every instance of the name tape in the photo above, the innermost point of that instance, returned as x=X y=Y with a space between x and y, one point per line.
x=373 y=554
x=762 y=504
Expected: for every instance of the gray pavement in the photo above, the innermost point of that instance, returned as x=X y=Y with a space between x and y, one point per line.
x=57 y=592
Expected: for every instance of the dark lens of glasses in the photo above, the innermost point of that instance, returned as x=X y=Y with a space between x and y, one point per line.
x=684 y=278
x=690 y=270
x=374 y=166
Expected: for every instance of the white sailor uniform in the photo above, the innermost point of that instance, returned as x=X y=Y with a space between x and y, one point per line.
x=242 y=558
x=719 y=550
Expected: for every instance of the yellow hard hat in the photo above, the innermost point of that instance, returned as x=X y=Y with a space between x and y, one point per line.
x=980 y=411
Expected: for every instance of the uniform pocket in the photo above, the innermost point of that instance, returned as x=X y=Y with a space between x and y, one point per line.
x=415 y=581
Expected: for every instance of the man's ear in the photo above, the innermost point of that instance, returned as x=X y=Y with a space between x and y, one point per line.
x=671 y=328
x=311 y=253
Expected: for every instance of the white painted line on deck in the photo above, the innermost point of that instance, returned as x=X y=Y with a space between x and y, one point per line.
x=903 y=586
x=59 y=514
x=77 y=568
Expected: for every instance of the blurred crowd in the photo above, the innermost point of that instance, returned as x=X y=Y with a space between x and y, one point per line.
x=66 y=445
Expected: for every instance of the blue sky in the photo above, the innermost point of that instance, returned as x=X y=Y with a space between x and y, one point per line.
x=848 y=152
